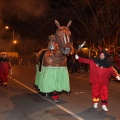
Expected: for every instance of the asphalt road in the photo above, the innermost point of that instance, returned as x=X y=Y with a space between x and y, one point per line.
x=21 y=101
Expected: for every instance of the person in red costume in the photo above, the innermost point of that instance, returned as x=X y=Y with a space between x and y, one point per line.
x=5 y=66
x=100 y=71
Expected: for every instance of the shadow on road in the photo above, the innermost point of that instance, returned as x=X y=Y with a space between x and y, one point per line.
x=95 y=114
x=27 y=107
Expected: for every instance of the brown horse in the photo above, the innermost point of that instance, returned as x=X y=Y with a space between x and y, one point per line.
x=54 y=59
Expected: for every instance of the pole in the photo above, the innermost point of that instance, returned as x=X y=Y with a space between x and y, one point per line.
x=13 y=40
x=89 y=49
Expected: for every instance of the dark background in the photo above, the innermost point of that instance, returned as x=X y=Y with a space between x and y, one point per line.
x=96 y=21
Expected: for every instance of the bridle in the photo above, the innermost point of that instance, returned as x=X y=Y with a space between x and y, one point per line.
x=61 y=39
x=57 y=39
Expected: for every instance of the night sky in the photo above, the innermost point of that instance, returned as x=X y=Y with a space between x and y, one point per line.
x=33 y=20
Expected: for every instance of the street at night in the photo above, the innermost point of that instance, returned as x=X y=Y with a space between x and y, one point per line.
x=59 y=59
x=21 y=101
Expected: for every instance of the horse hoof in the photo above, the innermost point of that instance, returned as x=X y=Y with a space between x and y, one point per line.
x=46 y=95
x=68 y=94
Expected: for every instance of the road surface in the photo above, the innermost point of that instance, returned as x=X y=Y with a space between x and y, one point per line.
x=21 y=101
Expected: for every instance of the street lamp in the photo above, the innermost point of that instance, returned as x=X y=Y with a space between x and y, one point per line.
x=14 y=42
x=7 y=27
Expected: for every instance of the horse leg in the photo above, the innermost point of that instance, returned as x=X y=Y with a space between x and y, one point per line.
x=46 y=95
x=55 y=97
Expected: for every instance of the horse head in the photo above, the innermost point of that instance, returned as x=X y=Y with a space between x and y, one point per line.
x=61 y=40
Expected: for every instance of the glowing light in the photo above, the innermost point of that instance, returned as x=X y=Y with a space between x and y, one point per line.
x=106 y=49
x=6 y=27
x=15 y=41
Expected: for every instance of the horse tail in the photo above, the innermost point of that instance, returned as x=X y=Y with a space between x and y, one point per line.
x=38 y=55
x=41 y=57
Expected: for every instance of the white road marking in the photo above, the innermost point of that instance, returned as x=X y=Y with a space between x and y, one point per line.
x=81 y=92
x=59 y=106
x=81 y=76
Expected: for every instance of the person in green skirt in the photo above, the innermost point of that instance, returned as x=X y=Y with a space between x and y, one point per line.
x=53 y=76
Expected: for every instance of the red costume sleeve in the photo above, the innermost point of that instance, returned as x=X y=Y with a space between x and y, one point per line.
x=113 y=72
x=84 y=60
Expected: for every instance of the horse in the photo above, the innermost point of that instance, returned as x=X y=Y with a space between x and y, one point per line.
x=53 y=74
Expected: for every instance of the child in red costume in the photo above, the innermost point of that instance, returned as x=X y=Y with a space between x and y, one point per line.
x=4 y=70
x=100 y=71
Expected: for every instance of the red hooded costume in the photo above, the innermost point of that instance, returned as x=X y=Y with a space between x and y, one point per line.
x=100 y=73
x=4 y=70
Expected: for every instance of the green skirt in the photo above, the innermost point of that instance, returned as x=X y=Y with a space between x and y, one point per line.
x=52 y=79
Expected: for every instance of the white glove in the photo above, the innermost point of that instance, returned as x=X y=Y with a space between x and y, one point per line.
x=118 y=77
x=76 y=56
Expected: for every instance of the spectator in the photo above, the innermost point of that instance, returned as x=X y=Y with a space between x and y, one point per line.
x=5 y=66
x=117 y=62
x=74 y=65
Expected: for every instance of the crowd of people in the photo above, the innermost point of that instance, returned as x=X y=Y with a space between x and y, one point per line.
x=74 y=66
x=115 y=59
x=23 y=60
